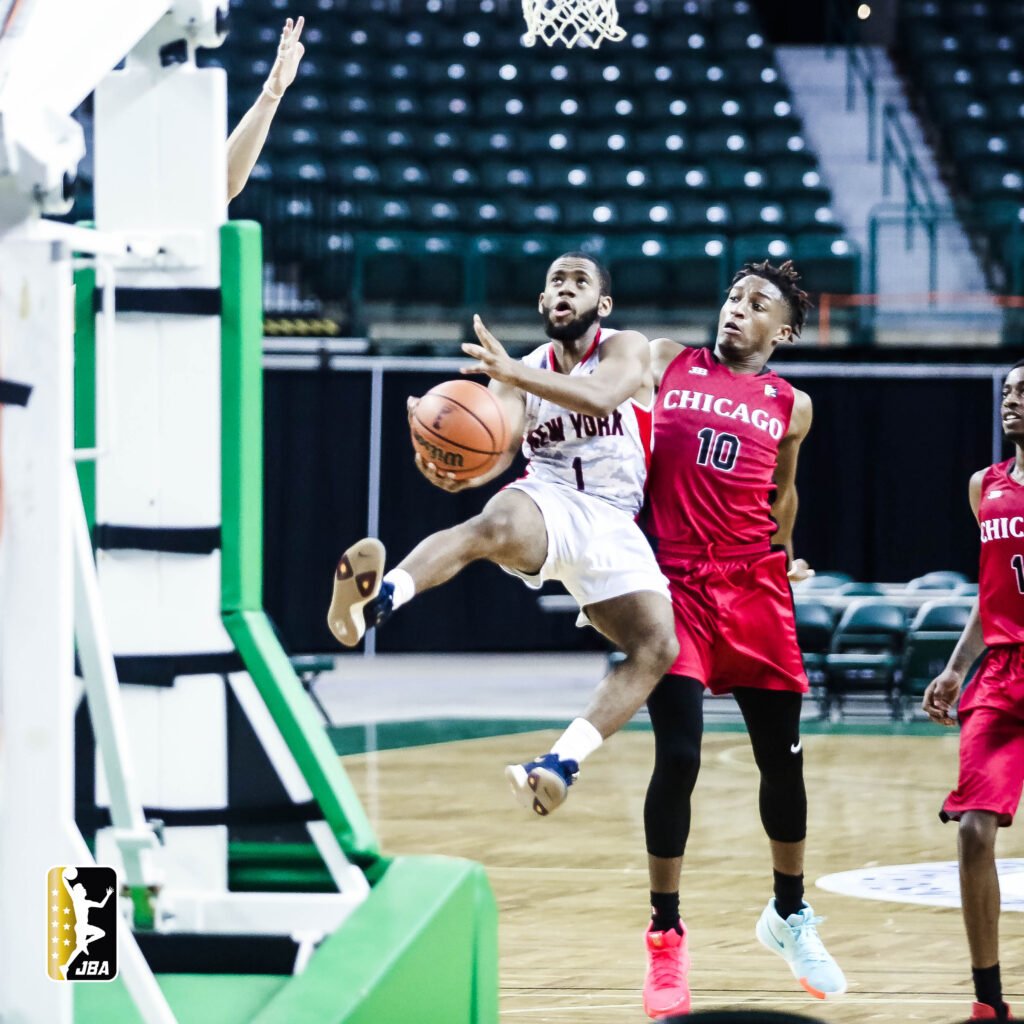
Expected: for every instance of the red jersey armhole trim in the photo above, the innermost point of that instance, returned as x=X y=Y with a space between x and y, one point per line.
x=645 y=426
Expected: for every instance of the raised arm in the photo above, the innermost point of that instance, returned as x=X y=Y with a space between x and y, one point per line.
x=246 y=142
x=624 y=371
x=944 y=690
x=784 y=506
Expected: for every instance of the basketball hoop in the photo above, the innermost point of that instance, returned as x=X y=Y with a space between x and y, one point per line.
x=587 y=22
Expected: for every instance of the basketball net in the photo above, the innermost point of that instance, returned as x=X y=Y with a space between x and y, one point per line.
x=587 y=22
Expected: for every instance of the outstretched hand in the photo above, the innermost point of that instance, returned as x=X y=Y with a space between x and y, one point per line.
x=492 y=359
x=289 y=53
x=438 y=477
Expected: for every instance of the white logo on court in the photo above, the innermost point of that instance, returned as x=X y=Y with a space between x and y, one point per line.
x=935 y=884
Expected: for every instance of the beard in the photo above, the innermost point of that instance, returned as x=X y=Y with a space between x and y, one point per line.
x=571 y=331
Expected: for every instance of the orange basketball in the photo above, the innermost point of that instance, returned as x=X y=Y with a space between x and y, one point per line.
x=460 y=427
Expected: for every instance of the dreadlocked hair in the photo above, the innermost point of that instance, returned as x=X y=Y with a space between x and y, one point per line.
x=786 y=278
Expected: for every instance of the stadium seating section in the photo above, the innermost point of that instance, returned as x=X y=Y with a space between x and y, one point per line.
x=424 y=156
x=883 y=641
x=966 y=61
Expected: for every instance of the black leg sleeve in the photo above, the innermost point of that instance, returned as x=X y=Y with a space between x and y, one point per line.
x=773 y=722
x=677 y=716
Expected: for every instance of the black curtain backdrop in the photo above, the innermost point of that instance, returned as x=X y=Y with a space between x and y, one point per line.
x=316 y=471
x=883 y=475
x=882 y=480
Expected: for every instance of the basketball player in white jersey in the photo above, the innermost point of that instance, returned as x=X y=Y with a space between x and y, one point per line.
x=580 y=406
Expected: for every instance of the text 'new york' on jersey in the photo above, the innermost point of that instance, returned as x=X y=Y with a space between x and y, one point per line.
x=716 y=445
x=605 y=457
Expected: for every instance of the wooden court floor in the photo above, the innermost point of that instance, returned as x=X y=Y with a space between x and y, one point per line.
x=572 y=889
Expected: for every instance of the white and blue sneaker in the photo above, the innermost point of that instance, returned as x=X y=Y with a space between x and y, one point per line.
x=796 y=940
x=542 y=785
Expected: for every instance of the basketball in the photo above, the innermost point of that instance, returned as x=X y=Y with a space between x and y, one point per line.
x=460 y=427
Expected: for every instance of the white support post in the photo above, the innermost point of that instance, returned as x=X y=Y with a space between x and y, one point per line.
x=133 y=836
x=36 y=628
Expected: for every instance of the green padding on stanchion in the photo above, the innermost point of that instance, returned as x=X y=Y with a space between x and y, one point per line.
x=193 y=998
x=293 y=714
x=242 y=541
x=85 y=385
x=422 y=948
x=241 y=260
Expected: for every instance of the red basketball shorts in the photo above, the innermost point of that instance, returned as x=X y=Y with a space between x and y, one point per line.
x=735 y=623
x=991 y=738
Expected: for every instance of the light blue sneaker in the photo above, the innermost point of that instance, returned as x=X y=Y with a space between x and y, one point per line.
x=797 y=941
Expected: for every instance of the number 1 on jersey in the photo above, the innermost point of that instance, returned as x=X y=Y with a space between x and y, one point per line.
x=577 y=466
x=1018 y=567
x=723 y=453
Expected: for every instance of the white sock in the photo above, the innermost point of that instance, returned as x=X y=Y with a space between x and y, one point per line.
x=577 y=742
x=404 y=586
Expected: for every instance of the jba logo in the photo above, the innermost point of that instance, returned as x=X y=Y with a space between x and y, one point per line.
x=81 y=934
x=91 y=969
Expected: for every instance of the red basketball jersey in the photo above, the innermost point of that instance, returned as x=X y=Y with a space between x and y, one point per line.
x=1001 y=576
x=716 y=443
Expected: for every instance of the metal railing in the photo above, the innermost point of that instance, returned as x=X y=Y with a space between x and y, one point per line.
x=860 y=69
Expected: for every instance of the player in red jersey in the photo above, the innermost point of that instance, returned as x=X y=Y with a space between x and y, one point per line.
x=992 y=708
x=721 y=503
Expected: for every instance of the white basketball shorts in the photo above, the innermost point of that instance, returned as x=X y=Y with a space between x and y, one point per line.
x=595 y=550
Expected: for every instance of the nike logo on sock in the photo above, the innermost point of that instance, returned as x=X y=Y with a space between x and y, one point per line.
x=796 y=747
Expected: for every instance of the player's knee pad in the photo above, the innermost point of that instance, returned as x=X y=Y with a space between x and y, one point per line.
x=783 y=799
x=677 y=763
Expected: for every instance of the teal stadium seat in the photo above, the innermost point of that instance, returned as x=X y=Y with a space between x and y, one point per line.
x=436 y=213
x=354 y=174
x=679 y=176
x=865 y=650
x=669 y=106
x=458 y=177
x=348 y=139
x=512 y=265
x=406 y=268
x=641 y=270
x=393 y=107
x=829 y=263
x=757 y=247
x=699 y=268
x=858 y=588
x=486 y=214
x=826 y=580
x=499 y=176
x=814 y=625
x=931 y=638
x=503 y=104
x=947 y=579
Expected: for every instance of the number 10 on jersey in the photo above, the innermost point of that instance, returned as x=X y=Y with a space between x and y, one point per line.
x=721 y=450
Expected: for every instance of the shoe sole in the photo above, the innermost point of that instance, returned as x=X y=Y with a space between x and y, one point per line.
x=541 y=791
x=770 y=944
x=681 y=1007
x=357 y=581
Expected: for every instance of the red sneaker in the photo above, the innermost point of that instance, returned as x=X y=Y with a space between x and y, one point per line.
x=666 y=991
x=982 y=1011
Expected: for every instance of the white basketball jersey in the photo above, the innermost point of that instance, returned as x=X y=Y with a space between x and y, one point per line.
x=603 y=456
